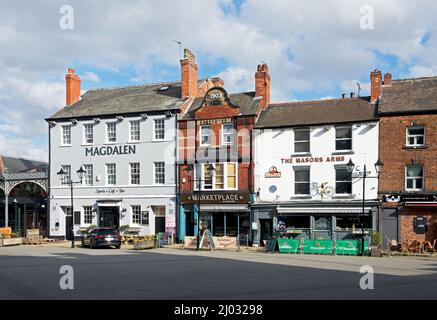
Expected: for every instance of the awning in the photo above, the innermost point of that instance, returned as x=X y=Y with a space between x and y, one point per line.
x=318 y=210
x=421 y=204
x=224 y=208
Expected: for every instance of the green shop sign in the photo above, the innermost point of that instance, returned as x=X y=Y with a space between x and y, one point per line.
x=346 y=247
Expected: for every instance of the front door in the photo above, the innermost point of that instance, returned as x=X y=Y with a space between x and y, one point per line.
x=159 y=224
x=109 y=217
x=266 y=226
x=68 y=226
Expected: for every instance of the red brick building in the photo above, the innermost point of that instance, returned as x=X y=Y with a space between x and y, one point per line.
x=216 y=166
x=408 y=149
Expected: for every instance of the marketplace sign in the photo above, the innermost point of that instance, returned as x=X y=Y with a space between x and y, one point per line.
x=313 y=159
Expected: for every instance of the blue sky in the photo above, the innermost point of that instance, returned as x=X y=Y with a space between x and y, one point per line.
x=314 y=51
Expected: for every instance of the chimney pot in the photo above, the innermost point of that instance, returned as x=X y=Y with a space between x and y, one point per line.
x=387 y=79
x=188 y=75
x=352 y=95
x=375 y=85
x=262 y=84
x=72 y=82
x=343 y=95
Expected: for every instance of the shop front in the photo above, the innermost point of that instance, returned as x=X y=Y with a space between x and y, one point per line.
x=312 y=221
x=223 y=214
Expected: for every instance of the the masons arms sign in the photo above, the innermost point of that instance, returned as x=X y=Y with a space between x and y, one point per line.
x=215 y=197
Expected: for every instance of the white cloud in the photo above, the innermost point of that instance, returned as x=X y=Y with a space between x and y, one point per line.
x=313 y=48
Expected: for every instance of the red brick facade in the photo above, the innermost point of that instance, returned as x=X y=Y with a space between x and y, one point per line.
x=396 y=156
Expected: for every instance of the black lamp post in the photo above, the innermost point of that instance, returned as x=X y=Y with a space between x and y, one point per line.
x=364 y=175
x=62 y=175
x=189 y=171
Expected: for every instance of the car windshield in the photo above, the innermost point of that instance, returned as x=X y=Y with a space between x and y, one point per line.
x=111 y=232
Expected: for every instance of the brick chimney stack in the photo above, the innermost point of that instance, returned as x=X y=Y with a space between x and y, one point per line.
x=189 y=74
x=375 y=85
x=262 y=84
x=387 y=79
x=72 y=82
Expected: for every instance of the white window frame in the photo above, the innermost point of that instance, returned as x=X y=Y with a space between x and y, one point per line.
x=415 y=136
x=107 y=174
x=300 y=182
x=138 y=122
x=201 y=135
x=85 y=133
x=155 y=129
x=107 y=132
x=63 y=135
x=414 y=179
x=86 y=179
x=139 y=219
x=299 y=141
x=131 y=173
x=233 y=134
x=351 y=138
x=87 y=213
x=154 y=173
x=342 y=181
x=67 y=179
x=225 y=177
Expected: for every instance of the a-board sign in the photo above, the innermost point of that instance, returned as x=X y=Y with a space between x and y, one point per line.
x=271 y=245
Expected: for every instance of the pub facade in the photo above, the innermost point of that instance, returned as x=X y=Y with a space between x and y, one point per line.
x=304 y=189
x=215 y=160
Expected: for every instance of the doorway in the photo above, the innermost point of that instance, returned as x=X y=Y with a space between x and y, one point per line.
x=109 y=217
x=159 y=224
x=266 y=228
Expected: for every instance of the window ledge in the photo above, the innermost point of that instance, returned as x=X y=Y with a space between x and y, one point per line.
x=302 y=154
x=65 y=145
x=414 y=147
x=297 y=197
x=346 y=196
x=343 y=152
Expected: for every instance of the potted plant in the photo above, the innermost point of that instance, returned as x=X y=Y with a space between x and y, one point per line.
x=15 y=239
x=375 y=249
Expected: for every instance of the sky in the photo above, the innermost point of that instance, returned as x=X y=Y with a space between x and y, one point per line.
x=315 y=50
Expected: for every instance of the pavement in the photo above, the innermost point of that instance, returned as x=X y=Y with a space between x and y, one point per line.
x=33 y=272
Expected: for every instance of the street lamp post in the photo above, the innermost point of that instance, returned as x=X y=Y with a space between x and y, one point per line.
x=189 y=171
x=364 y=175
x=62 y=175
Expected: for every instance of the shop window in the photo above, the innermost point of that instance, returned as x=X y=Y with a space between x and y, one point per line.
x=343 y=181
x=322 y=223
x=415 y=136
x=302 y=141
x=88 y=214
x=414 y=178
x=343 y=138
x=290 y=223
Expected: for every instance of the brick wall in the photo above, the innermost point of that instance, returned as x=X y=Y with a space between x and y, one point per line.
x=395 y=156
x=406 y=222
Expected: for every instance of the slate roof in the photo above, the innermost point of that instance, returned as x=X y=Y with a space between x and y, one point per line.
x=124 y=100
x=19 y=165
x=246 y=101
x=409 y=96
x=319 y=112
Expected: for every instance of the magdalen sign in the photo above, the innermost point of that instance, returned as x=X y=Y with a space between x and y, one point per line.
x=110 y=150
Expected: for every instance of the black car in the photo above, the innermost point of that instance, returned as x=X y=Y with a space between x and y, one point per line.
x=102 y=237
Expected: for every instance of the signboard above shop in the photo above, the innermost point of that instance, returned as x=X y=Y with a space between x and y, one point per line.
x=215 y=198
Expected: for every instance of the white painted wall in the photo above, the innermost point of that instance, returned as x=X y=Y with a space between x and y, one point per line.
x=272 y=145
x=146 y=194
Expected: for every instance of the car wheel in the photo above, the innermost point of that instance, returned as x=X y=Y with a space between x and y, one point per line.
x=118 y=247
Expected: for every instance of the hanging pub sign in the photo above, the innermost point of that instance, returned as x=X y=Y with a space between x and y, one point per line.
x=273 y=173
x=420 y=224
